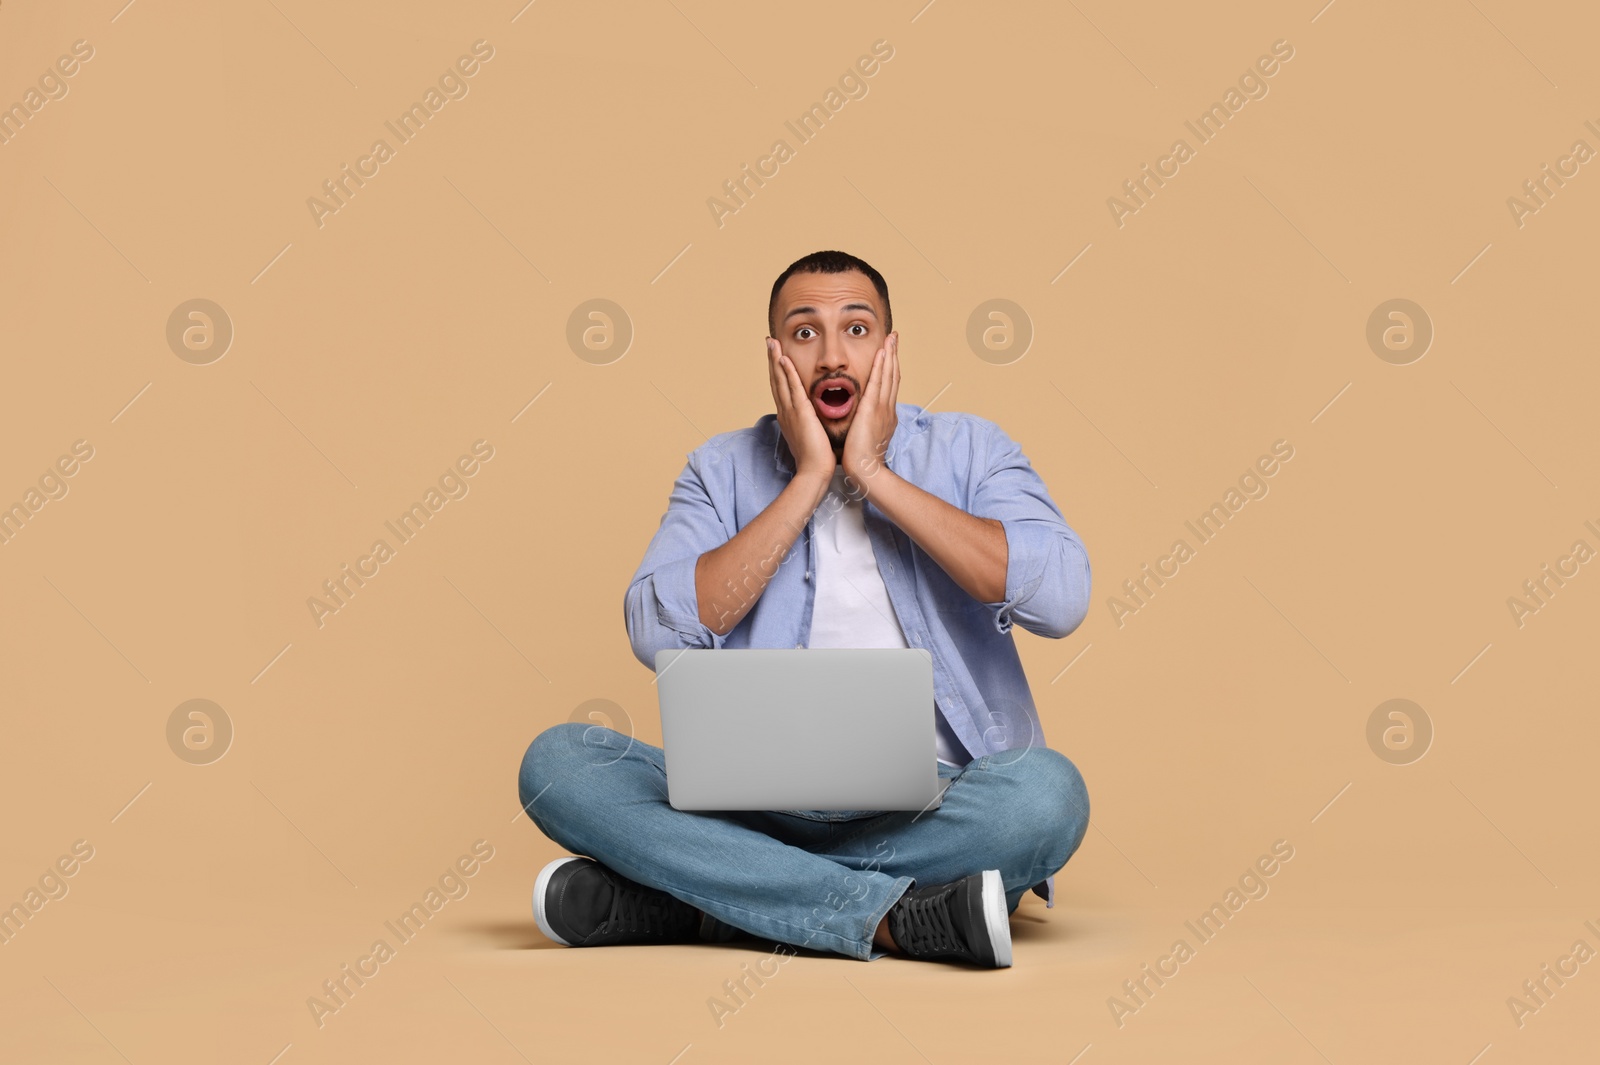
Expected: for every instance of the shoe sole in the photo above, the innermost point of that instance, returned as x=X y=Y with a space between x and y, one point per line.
x=995 y=918
x=541 y=888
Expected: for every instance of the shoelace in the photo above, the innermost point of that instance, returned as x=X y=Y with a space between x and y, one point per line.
x=639 y=910
x=926 y=922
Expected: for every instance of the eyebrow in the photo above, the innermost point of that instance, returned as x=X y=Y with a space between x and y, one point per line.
x=847 y=307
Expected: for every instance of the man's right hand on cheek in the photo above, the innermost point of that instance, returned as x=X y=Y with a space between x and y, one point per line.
x=802 y=429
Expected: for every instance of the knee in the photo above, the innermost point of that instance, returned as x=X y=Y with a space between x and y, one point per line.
x=548 y=759
x=1059 y=798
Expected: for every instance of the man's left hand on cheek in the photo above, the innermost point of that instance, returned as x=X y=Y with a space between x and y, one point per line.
x=874 y=424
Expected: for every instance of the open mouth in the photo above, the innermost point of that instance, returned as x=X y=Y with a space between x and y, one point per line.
x=836 y=399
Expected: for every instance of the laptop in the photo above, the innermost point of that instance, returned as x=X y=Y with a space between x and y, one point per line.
x=802 y=729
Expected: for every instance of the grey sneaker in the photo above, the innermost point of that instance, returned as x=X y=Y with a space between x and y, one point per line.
x=580 y=903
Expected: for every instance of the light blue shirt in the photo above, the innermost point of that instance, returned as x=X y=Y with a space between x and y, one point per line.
x=963 y=459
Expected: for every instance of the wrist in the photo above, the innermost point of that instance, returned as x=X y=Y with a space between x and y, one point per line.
x=865 y=470
x=813 y=483
x=881 y=486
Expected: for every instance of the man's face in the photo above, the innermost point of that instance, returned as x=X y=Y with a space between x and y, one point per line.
x=830 y=326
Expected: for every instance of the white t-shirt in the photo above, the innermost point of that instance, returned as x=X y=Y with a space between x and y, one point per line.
x=852 y=607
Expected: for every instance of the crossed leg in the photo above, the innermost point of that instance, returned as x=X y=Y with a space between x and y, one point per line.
x=805 y=878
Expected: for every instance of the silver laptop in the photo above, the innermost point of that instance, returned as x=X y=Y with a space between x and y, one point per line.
x=805 y=729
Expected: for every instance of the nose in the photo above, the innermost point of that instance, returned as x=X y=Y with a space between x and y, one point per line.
x=832 y=358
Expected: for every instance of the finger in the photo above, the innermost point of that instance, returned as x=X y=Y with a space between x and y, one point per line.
x=780 y=386
x=869 y=391
x=797 y=391
x=793 y=394
x=894 y=361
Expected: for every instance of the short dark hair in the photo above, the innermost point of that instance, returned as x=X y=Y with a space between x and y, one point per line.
x=831 y=262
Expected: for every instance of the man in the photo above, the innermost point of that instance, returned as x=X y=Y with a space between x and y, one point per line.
x=844 y=519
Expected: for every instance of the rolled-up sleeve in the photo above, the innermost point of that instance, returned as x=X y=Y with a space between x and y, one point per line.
x=1047 y=567
x=661 y=607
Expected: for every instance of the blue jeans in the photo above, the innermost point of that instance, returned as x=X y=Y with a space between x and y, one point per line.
x=809 y=878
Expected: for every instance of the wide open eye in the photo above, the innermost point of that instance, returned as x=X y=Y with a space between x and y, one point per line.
x=861 y=326
x=803 y=329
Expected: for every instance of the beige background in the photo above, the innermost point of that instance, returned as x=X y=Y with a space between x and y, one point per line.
x=1228 y=313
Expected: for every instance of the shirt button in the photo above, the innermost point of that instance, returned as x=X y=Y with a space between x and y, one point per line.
x=808 y=575
x=799 y=647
